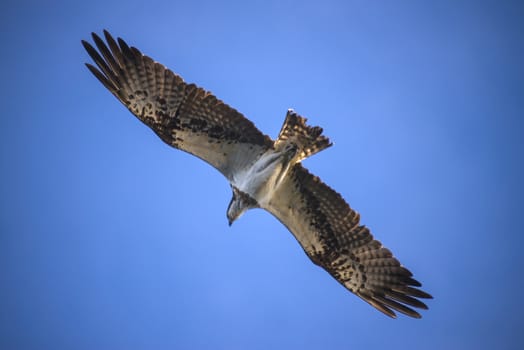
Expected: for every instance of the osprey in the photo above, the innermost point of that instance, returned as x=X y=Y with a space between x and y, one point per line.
x=263 y=173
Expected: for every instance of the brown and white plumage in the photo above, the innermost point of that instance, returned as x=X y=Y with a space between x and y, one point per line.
x=331 y=235
x=262 y=172
x=182 y=115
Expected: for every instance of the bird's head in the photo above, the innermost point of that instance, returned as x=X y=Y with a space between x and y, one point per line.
x=240 y=202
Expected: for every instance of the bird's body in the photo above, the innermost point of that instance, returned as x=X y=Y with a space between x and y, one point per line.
x=260 y=180
x=262 y=172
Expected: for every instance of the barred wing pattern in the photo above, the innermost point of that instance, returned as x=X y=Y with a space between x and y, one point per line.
x=329 y=232
x=182 y=115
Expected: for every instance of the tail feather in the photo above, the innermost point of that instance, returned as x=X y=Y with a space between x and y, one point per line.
x=308 y=139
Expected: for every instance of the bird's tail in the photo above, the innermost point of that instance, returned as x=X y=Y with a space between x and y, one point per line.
x=309 y=140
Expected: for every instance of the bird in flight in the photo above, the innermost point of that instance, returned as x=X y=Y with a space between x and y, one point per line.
x=263 y=173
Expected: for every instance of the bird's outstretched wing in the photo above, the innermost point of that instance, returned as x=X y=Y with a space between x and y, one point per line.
x=183 y=115
x=330 y=233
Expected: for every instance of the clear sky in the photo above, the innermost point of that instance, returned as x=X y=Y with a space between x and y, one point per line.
x=109 y=239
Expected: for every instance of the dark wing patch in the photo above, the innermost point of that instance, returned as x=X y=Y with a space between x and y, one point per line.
x=182 y=115
x=331 y=235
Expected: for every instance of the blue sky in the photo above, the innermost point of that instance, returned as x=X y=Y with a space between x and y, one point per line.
x=109 y=239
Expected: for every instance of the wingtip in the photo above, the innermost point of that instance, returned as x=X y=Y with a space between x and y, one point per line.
x=424 y=295
x=85 y=44
x=416 y=315
x=95 y=36
x=109 y=37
